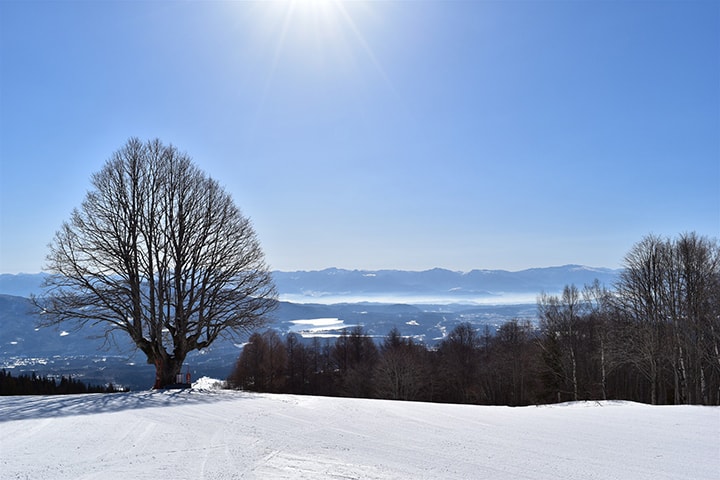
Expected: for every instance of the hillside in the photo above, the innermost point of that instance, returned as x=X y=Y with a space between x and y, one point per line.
x=422 y=305
x=220 y=434
x=84 y=354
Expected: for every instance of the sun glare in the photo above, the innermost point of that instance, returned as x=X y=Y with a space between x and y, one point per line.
x=325 y=15
x=328 y=30
x=314 y=3
x=307 y=45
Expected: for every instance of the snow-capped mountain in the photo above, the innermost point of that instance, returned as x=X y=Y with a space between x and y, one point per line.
x=436 y=283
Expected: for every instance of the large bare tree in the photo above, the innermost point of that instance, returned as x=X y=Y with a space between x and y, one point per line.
x=160 y=252
x=668 y=296
x=640 y=296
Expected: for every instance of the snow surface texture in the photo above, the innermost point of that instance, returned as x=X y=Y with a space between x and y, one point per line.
x=206 y=433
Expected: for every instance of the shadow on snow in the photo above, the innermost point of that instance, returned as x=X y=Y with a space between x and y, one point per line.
x=32 y=407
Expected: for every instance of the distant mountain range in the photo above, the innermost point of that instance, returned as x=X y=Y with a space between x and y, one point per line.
x=437 y=282
x=356 y=283
x=21 y=284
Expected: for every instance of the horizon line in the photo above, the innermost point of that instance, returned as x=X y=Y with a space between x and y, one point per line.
x=374 y=270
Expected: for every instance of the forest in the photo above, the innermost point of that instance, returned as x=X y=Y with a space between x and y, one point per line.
x=654 y=337
x=44 y=385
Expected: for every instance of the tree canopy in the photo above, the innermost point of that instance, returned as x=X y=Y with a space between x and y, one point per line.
x=158 y=251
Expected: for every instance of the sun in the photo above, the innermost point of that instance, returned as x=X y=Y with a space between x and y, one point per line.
x=325 y=14
x=313 y=3
x=326 y=29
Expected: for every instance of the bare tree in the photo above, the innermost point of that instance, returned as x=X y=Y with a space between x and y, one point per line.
x=510 y=369
x=560 y=324
x=158 y=251
x=459 y=364
x=640 y=297
x=667 y=298
x=598 y=301
x=400 y=371
x=695 y=317
x=298 y=368
x=355 y=356
x=261 y=365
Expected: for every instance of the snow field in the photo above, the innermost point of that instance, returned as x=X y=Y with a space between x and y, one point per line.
x=213 y=434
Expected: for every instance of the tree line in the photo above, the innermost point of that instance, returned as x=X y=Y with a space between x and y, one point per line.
x=36 y=385
x=653 y=338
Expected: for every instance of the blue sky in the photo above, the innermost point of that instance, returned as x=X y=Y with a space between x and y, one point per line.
x=410 y=135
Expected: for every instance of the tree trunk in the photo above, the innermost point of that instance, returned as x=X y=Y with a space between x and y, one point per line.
x=682 y=388
x=166 y=371
x=574 y=374
x=653 y=383
x=602 y=369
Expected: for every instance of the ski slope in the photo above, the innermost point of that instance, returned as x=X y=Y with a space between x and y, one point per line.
x=213 y=434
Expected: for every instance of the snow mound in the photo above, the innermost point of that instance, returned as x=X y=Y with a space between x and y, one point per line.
x=207 y=383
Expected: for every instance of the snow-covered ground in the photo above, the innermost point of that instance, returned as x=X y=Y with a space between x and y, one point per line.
x=205 y=433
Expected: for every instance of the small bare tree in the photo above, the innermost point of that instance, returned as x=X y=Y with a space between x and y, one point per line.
x=160 y=252
x=459 y=364
x=599 y=302
x=560 y=324
x=400 y=371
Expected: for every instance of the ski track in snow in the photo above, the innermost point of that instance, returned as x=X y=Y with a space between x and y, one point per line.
x=203 y=434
